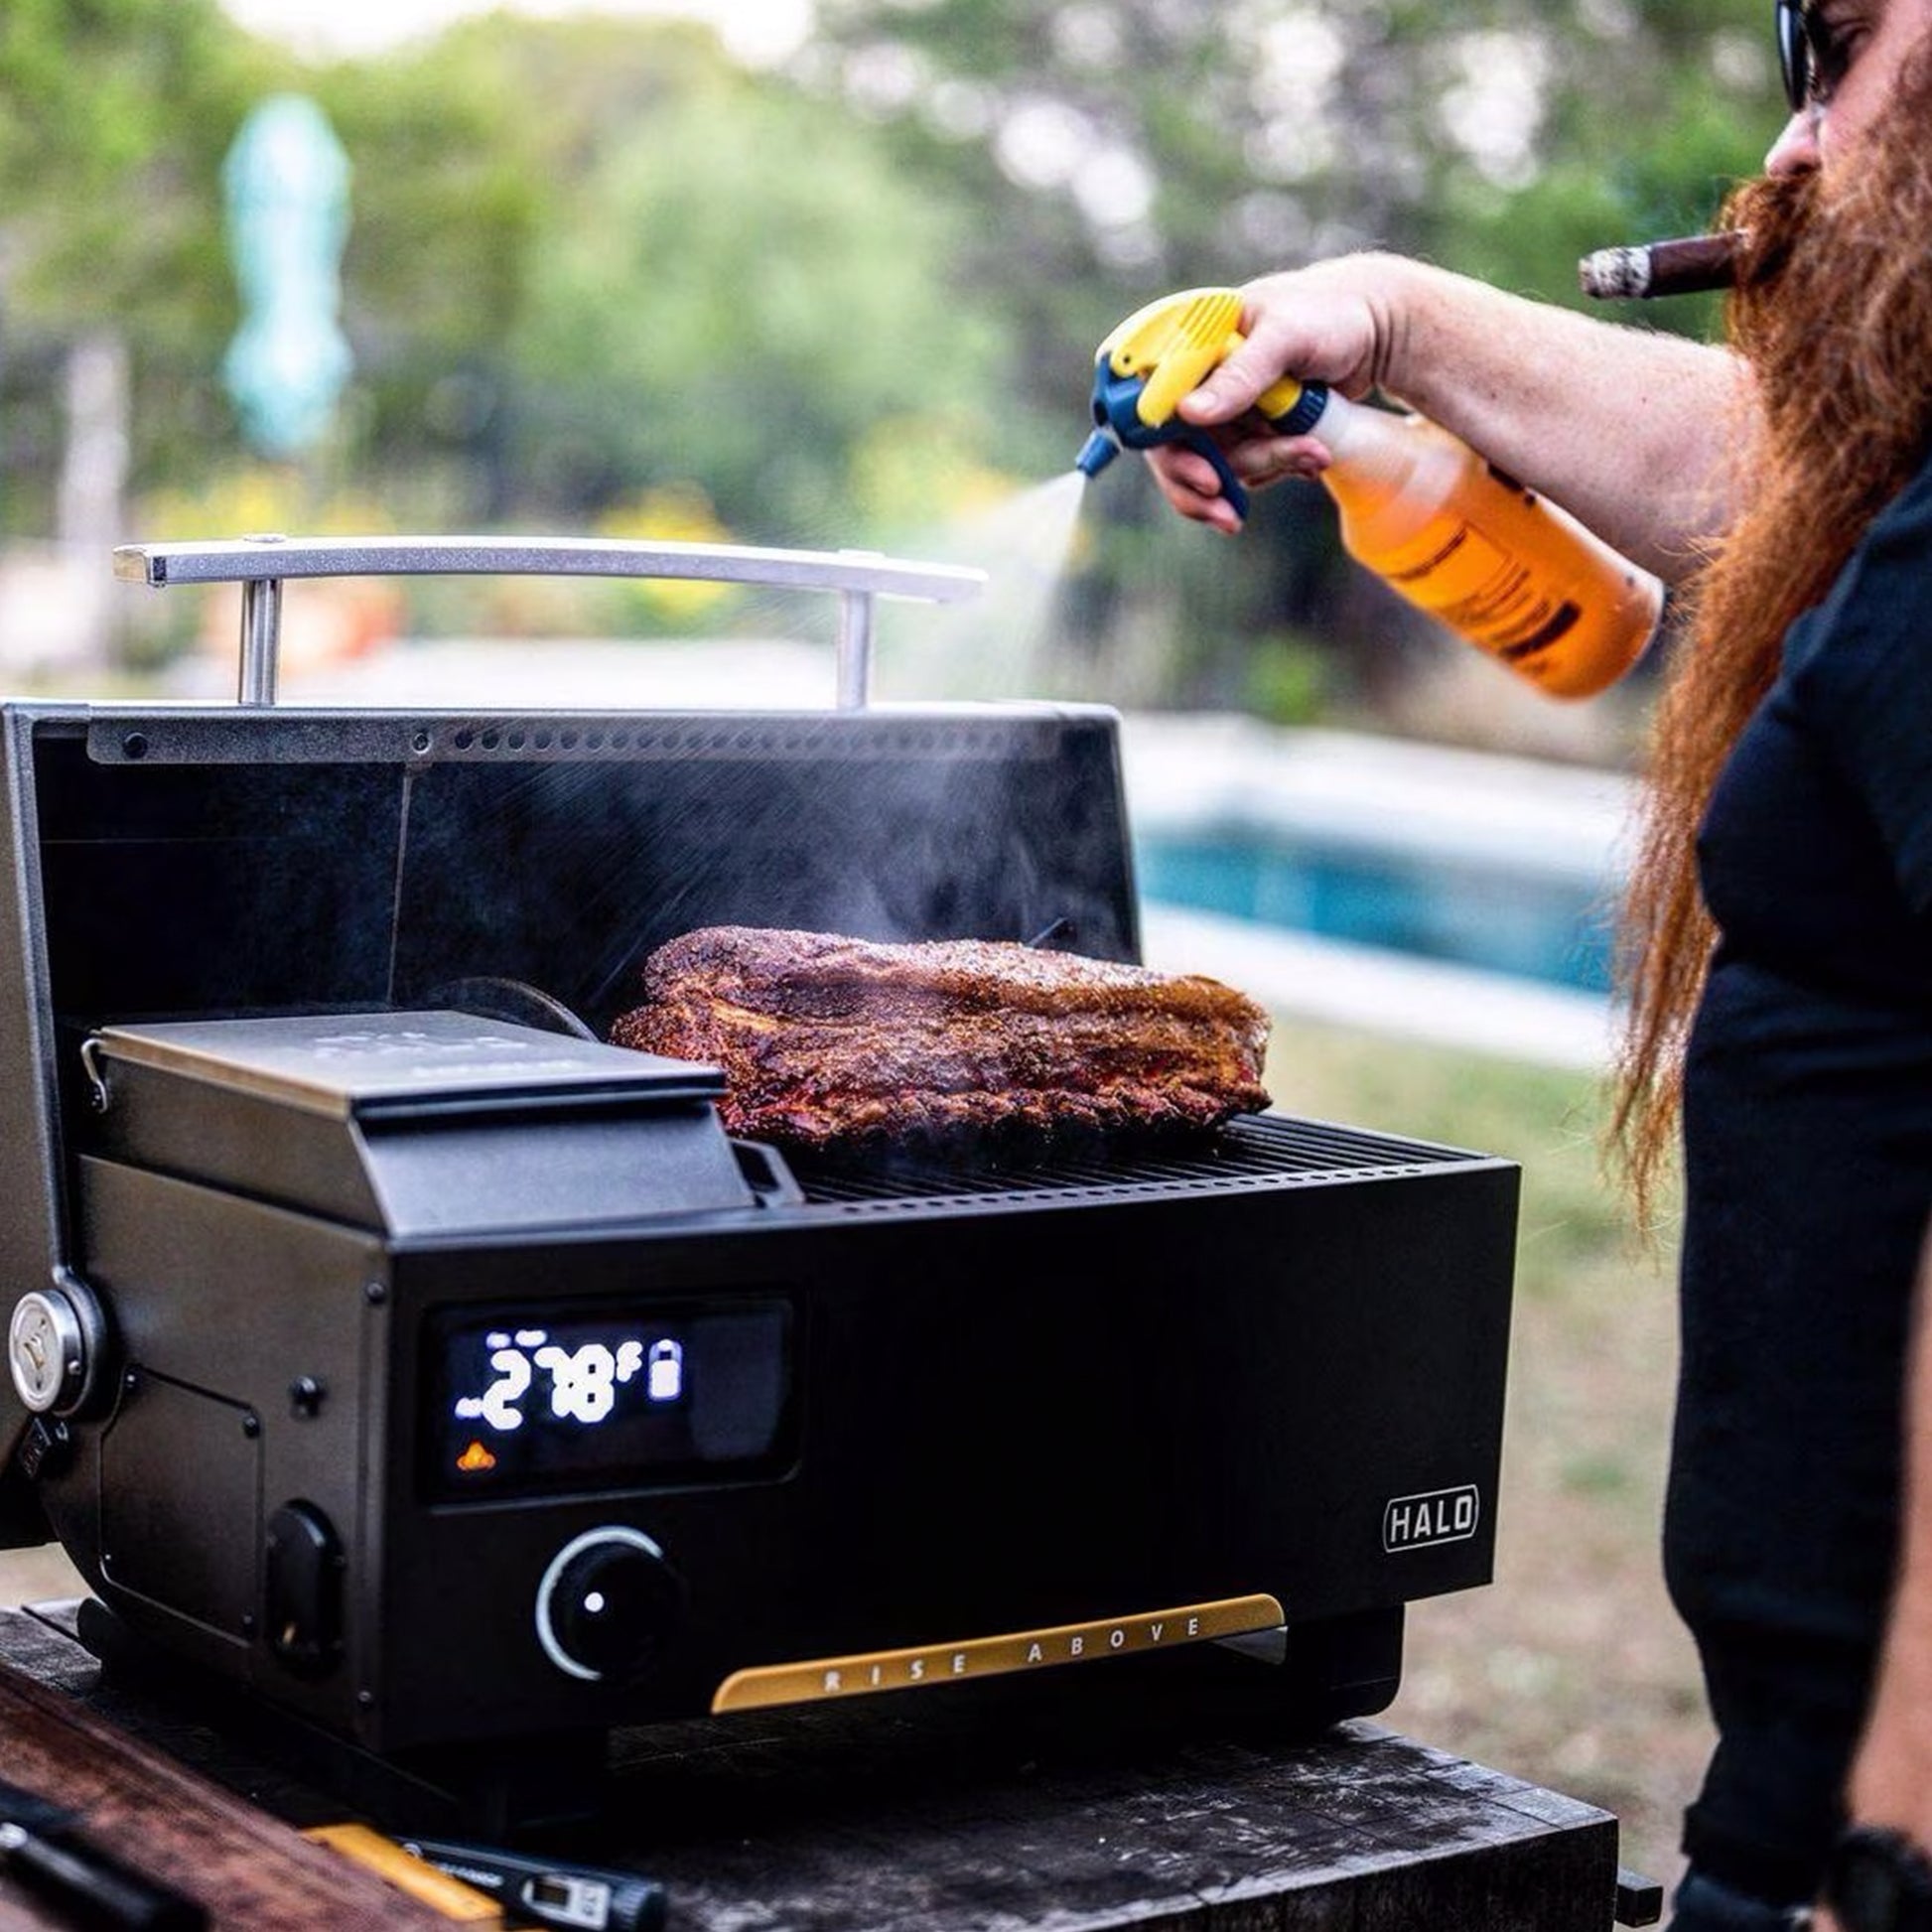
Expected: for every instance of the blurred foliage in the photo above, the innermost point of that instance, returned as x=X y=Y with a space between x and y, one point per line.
x=1288 y=680
x=769 y=318
x=595 y=265
x=1121 y=147
x=115 y=115
x=669 y=513
x=249 y=497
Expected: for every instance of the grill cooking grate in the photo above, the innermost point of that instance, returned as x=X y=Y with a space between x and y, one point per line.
x=1254 y=1151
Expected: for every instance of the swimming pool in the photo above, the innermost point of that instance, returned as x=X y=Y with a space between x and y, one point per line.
x=1552 y=926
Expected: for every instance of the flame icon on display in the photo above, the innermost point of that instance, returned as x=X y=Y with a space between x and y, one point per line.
x=475 y=1460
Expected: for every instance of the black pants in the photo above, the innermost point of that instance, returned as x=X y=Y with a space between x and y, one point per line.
x=1702 y=1904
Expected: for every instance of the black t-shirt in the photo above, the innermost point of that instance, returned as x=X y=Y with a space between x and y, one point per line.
x=1808 y=1145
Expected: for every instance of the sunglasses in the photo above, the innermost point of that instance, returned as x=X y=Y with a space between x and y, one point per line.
x=1810 y=57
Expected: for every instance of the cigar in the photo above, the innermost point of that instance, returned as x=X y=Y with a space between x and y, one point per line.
x=1689 y=265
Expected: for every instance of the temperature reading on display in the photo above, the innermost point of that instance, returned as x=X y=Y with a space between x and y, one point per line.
x=517 y=1405
x=570 y=1379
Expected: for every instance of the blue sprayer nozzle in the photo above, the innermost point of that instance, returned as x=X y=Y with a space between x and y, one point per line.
x=1096 y=453
x=1117 y=411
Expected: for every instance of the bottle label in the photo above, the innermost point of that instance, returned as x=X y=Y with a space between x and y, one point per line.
x=1481 y=591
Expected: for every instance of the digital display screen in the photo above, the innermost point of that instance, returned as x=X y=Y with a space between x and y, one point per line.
x=522 y=1401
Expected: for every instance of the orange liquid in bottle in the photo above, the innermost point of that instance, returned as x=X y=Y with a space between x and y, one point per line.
x=1507 y=570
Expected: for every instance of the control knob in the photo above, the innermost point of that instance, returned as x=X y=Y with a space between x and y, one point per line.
x=607 y=1603
x=55 y=1342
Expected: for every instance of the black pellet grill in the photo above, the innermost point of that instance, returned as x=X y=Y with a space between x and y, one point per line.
x=385 y=1343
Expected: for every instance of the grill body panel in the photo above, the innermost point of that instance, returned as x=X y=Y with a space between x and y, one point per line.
x=1004 y=1413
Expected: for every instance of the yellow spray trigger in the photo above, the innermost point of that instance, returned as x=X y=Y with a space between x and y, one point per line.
x=1205 y=330
x=1153 y=358
x=1172 y=344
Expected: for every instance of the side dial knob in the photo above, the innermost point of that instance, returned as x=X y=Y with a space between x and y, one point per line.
x=607 y=1603
x=47 y=1351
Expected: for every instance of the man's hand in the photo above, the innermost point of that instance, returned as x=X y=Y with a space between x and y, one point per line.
x=1333 y=323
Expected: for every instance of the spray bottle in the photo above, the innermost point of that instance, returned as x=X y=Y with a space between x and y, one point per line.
x=1501 y=566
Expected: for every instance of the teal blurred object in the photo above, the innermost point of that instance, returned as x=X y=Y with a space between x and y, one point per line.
x=286 y=184
x=1552 y=926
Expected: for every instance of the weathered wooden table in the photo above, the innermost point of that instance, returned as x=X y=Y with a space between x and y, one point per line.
x=1131 y=1802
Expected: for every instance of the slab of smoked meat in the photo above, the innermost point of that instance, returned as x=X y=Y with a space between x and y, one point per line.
x=827 y=1041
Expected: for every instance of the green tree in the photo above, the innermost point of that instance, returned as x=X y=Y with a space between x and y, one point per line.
x=114 y=118
x=115 y=115
x=743 y=295
x=453 y=182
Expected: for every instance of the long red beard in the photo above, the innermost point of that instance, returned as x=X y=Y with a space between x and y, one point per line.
x=1834 y=319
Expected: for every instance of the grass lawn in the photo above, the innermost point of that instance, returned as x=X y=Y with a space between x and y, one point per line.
x=1571 y=1669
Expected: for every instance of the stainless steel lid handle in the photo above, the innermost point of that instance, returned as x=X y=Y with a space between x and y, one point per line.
x=263 y=564
x=261 y=639
x=854 y=650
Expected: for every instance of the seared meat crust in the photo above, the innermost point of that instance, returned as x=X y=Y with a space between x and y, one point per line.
x=827 y=1040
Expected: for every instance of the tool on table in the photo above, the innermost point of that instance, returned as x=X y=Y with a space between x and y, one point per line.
x=428 y=1885
x=477 y=1883
x=549 y=1891
x=41 y=1851
x=1499 y=564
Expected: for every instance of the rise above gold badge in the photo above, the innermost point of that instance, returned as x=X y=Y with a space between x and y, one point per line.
x=953 y=1663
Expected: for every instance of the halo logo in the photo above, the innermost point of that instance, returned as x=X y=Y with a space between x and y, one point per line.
x=1441 y=1516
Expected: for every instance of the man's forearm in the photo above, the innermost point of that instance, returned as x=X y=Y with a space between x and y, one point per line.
x=1632 y=430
